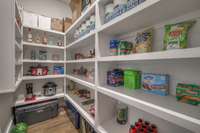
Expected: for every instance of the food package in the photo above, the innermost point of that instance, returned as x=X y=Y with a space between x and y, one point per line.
x=57 y=24
x=155 y=83
x=44 y=22
x=144 y=41
x=132 y=79
x=30 y=19
x=188 y=93
x=67 y=23
x=176 y=35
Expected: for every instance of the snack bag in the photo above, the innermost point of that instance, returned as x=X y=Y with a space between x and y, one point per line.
x=176 y=35
x=144 y=41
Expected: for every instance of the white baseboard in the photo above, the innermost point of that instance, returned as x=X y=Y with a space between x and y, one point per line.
x=9 y=126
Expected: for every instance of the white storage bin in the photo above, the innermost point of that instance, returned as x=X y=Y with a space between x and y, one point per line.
x=30 y=19
x=44 y=22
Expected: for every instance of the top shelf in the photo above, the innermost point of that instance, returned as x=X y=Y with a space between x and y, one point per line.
x=147 y=14
x=86 y=14
x=46 y=30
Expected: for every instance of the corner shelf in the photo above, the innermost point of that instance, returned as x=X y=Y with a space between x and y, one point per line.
x=83 y=38
x=42 y=77
x=38 y=99
x=43 y=61
x=81 y=60
x=82 y=17
x=42 y=45
x=46 y=30
x=167 y=108
x=81 y=80
x=161 y=55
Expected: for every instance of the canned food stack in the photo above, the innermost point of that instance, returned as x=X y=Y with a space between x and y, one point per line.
x=118 y=7
x=86 y=27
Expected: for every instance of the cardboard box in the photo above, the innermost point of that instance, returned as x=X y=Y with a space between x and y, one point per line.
x=30 y=19
x=76 y=9
x=155 y=83
x=67 y=23
x=44 y=22
x=57 y=24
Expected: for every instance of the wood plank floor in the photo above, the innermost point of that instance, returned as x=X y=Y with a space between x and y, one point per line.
x=60 y=124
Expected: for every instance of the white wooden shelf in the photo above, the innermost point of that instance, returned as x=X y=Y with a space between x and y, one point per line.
x=167 y=108
x=42 y=77
x=86 y=14
x=38 y=99
x=81 y=60
x=17 y=83
x=76 y=103
x=147 y=14
x=18 y=31
x=7 y=91
x=46 y=30
x=41 y=45
x=81 y=80
x=42 y=61
x=18 y=46
x=18 y=9
x=112 y=126
x=83 y=38
x=161 y=55
x=18 y=63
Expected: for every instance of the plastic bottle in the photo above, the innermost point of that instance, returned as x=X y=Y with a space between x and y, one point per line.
x=122 y=113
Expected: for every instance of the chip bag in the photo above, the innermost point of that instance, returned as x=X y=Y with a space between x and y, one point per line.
x=144 y=41
x=176 y=35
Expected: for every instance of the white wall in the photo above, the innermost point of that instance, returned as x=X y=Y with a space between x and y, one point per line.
x=6 y=101
x=50 y=8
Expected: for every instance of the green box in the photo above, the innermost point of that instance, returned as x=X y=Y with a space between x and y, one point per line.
x=188 y=93
x=132 y=79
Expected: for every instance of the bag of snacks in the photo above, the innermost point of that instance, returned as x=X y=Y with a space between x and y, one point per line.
x=176 y=35
x=144 y=41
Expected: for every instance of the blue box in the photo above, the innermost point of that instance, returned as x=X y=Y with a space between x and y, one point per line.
x=155 y=84
x=73 y=114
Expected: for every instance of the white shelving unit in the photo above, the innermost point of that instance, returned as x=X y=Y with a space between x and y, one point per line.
x=45 y=30
x=42 y=77
x=42 y=61
x=41 y=45
x=183 y=64
x=38 y=99
x=18 y=44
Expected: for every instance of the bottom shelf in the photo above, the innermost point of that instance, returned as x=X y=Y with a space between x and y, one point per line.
x=112 y=126
x=38 y=99
x=76 y=102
